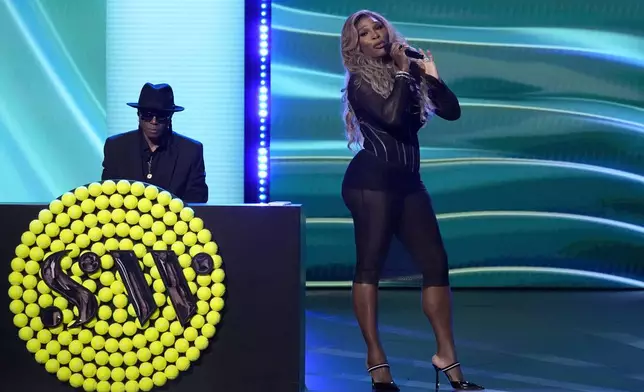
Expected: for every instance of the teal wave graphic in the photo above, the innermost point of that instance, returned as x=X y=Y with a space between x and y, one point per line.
x=616 y=46
x=492 y=277
x=52 y=106
x=503 y=240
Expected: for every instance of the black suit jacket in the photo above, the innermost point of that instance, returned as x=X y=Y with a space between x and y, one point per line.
x=182 y=172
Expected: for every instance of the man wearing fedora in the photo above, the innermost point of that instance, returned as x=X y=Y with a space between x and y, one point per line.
x=154 y=153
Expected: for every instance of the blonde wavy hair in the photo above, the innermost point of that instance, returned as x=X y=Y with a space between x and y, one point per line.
x=377 y=73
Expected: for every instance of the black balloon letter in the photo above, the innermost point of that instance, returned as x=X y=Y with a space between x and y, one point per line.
x=175 y=282
x=203 y=264
x=138 y=291
x=73 y=292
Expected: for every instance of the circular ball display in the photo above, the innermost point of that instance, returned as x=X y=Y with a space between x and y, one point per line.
x=113 y=351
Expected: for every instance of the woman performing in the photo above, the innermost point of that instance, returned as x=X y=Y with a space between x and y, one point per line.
x=388 y=98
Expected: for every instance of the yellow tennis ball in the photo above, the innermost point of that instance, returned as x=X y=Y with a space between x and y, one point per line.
x=158 y=228
x=28 y=238
x=28 y=296
x=196 y=224
x=176 y=205
x=95 y=234
x=178 y=247
x=82 y=241
x=36 y=226
x=90 y=220
x=62 y=220
x=170 y=218
x=201 y=343
x=159 y=363
x=76 y=380
x=57 y=245
x=180 y=228
x=130 y=202
x=51 y=230
x=77 y=227
x=52 y=366
x=187 y=214
x=164 y=198
x=63 y=374
x=151 y=192
x=22 y=251
x=56 y=206
x=81 y=193
x=118 y=215
x=136 y=233
x=32 y=267
x=89 y=384
x=74 y=212
x=193 y=354
x=122 y=229
x=218 y=275
x=169 y=237
x=189 y=239
x=116 y=200
x=88 y=206
x=218 y=289
x=146 y=369
x=102 y=202
x=211 y=248
x=156 y=348
x=137 y=188
x=45 y=216
x=132 y=217
x=144 y=384
x=88 y=355
x=157 y=211
x=204 y=236
x=183 y=363
x=111 y=244
x=123 y=187
x=108 y=187
x=144 y=205
x=149 y=239
x=68 y=199
x=43 y=241
x=208 y=330
x=94 y=189
x=171 y=372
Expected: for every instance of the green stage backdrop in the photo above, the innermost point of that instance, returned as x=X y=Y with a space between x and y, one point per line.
x=540 y=183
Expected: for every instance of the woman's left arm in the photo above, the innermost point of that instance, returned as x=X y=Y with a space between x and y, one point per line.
x=446 y=102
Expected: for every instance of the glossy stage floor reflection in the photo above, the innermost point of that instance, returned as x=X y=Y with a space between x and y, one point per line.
x=507 y=341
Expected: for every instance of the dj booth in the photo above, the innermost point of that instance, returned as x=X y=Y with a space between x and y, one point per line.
x=259 y=344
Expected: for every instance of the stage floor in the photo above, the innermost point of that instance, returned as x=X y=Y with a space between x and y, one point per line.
x=507 y=341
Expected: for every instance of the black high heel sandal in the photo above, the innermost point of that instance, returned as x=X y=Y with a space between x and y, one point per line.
x=382 y=386
x=458 y=385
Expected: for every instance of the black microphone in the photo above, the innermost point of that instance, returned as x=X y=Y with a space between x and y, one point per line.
x=408 y=51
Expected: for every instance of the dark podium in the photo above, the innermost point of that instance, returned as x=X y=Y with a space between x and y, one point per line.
x=259 y=345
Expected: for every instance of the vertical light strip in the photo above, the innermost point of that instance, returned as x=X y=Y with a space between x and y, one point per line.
x=263 y=150
x=193 y=45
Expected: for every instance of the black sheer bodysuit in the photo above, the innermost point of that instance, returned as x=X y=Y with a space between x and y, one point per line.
x=382 y=186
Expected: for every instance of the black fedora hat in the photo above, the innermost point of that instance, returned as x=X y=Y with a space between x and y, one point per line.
x=156 y=97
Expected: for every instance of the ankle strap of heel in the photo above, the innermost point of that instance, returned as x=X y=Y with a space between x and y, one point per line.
x=382 y=365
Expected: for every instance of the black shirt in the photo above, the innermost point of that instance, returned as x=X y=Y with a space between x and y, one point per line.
x=150 y=160
x=390 y=125
x=390 y=158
